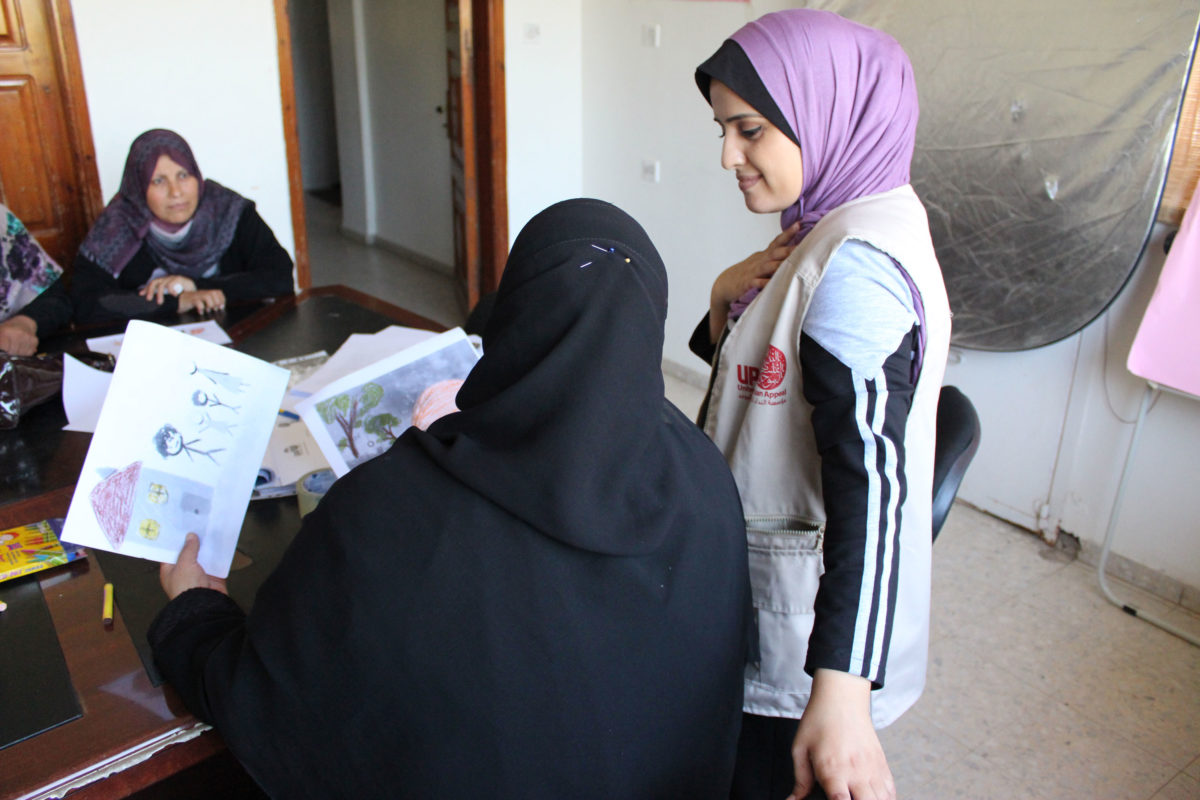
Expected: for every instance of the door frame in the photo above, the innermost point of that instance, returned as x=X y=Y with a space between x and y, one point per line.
x=491 y=140
x=291 y=141
x=490 y=137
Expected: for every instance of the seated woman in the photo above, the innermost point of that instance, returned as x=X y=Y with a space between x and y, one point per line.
x=545 y=595
x=171 y=242
x=33 y=302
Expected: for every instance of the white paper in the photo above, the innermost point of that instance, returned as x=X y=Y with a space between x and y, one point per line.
x=176 y=450
x=208 y=330
x=292 y=452
x=357 y=417
x=358 y=351
x=300 y=367
x=83 y=392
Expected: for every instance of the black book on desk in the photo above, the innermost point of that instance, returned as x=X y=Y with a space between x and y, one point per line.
x=36 y=693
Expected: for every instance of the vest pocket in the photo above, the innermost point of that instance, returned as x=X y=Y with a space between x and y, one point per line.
x=785 y=568
x=785 y=562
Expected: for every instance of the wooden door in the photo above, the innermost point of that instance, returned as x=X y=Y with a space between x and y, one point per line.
x=48 y=172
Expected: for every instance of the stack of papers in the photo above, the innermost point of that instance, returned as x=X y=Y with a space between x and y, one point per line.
x=357 y=416
x=187 y=432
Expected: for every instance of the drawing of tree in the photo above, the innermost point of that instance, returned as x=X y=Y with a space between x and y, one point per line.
x=347 y=409
x=382 y=425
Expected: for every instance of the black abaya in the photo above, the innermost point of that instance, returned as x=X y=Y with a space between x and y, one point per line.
x=543 y=596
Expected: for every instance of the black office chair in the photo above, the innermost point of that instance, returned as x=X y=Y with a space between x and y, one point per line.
x=957 y=441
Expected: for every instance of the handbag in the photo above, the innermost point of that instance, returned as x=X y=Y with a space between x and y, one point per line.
x=29 y=381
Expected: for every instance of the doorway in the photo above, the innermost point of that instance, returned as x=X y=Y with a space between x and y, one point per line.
x=373 y=113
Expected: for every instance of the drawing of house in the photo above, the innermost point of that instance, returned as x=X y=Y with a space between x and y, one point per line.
x=151 y=508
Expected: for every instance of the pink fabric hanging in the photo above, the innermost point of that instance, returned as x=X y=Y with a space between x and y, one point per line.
x=1166 y=349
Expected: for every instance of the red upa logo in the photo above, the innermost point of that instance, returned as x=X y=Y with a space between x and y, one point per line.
x=774 y=367
x=769 y=375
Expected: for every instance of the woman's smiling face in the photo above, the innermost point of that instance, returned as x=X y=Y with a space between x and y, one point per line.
x=173 y=193
x=768 y=165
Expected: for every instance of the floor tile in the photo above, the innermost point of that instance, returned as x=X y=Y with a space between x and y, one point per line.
x=1183 y=787
x=971 y=698
x=980 y=562
x=974 y=778
x=918 y=752
x=1075 y=756
x=335 y=258
x=1151 y=693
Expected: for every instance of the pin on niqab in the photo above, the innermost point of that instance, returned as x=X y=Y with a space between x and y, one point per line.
x=571 y=389
x=544 y=595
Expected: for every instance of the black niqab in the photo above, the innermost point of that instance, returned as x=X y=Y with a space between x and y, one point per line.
x=543 y=596
x=564 y=422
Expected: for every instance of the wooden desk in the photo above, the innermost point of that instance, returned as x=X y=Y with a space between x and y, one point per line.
x=133 y=734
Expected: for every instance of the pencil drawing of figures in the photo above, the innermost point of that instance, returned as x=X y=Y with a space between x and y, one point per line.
x=203 y=398
x=169 y=442
x=223 y=379
x=208 y=423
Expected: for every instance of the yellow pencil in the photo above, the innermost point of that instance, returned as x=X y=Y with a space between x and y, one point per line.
x=107 y=615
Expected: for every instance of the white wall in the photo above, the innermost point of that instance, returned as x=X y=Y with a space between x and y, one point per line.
x=542 y=44
x=406 y=67
x=1053 y=437
x=389 y=78
x=347 y=41
x=1057 y=422
x=1159 y=523
x=208 y=71
x=313 y=77
x=641 y=104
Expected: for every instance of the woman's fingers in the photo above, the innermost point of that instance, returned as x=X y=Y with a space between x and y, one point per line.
x=203 y=301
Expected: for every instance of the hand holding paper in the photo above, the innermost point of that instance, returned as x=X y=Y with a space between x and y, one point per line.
x=176 y=450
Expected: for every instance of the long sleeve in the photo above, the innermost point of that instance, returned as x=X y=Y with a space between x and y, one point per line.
x=186 y=633
x=99 y=296
x=701 y=344
x=254 y=266
x=857 y=352
x=50 y=310
x=30 y=280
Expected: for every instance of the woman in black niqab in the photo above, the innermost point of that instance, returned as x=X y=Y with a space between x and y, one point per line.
x=545 y=595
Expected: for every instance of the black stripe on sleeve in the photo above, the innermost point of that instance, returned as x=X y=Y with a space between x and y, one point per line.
x=859 y=423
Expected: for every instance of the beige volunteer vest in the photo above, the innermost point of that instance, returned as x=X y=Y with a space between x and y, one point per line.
x=757 y=415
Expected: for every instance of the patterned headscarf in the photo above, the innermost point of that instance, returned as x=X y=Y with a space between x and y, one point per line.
x=124 y=225
x=25 y=268
x=845 y=94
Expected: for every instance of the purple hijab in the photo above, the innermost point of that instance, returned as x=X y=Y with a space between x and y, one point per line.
x=848 y=93
x=124 y=225
x=842 y=91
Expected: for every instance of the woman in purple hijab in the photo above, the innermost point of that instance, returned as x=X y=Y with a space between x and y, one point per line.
x=171 y=242
x=827 y=351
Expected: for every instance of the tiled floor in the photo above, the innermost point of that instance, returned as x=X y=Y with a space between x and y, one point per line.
x=1038 y=688
x=334 y=258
